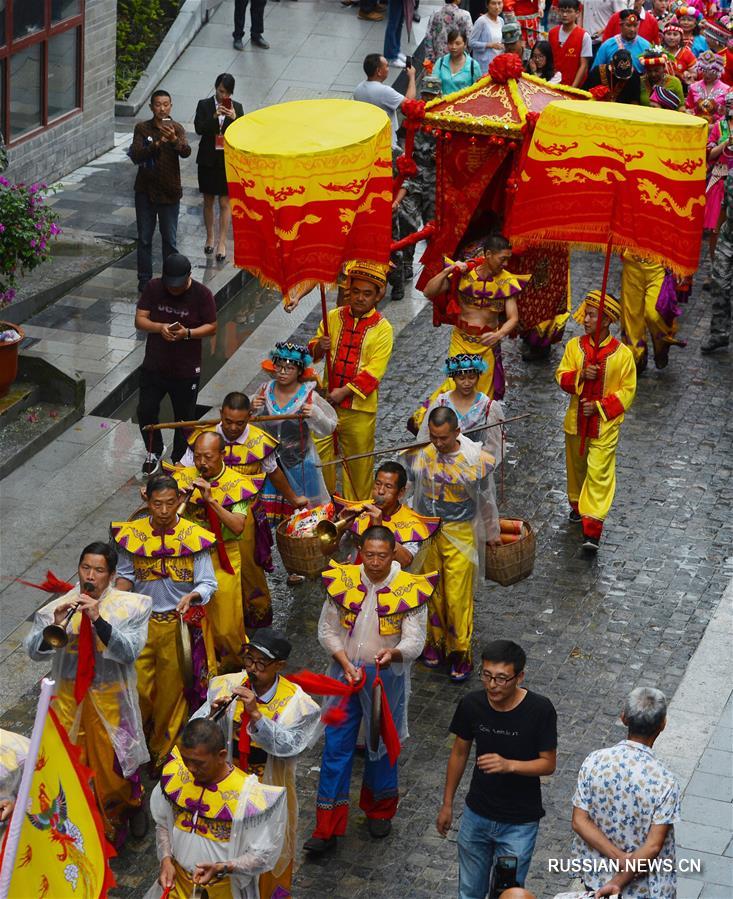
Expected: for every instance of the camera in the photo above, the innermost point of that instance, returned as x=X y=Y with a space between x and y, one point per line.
x=503 y=875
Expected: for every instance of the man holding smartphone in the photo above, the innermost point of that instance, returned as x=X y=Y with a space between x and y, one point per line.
x=157 y=146
x=177 y=313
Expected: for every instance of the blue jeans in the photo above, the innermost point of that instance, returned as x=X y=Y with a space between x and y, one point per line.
x=393 y=32
x=481 y=841
x=147 y=213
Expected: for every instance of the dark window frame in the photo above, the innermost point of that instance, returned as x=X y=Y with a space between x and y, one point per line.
x=42 y=36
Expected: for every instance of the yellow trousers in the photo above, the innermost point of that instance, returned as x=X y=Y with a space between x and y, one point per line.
x=450 y=609
x=592 y=478
x=255 y=592
x=183 y=886
x=163 y=706
x=225 y=611
x=116 y=796
x=355 y=435
x=272 y=887
x=640 y=286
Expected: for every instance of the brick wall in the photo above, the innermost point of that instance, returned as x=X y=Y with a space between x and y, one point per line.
x=64 y=147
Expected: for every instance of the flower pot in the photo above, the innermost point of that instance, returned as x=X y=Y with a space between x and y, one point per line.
x=9 y=357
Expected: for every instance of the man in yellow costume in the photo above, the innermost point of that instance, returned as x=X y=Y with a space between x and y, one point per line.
x=359 y=346
x=271 y=722
x=96 y=694
x=601 y=381
x=453 y=479
x=168 y=559
x=648 y=303
x=215 y=826
x=250 y=451
x=219 y=498
x=483 y=310
x=412 y=532
x=374 y=615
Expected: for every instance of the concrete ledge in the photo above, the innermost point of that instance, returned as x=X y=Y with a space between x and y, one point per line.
x=192 y=16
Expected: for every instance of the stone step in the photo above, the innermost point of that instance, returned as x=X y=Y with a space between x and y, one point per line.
x=20 y=396
x=34 y=427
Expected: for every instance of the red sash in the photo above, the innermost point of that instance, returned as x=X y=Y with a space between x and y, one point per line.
x=567 y=56
x=589 y=426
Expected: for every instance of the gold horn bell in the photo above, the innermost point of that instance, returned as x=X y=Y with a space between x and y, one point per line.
x=329 y=533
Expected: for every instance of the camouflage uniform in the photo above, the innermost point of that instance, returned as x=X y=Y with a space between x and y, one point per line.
x=722 y=278
x=418 y=206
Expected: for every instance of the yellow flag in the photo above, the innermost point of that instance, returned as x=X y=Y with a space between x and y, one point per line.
x=62 y=851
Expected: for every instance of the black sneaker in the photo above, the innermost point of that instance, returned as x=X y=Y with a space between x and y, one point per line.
x=379 y=828
x=151 y=465
x=574 y=516
x=409 y=273
x=259 y=41
x=713 y=343
x=318 y=846
x=591 y=543
x=237 y=44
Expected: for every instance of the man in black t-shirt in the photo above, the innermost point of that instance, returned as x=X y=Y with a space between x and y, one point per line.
x=515 y=731
x=177 y=313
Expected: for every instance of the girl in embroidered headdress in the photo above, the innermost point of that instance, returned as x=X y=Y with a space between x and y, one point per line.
x=292 y=390
x=473 y=408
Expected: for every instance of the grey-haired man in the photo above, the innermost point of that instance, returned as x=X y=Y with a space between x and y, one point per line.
x=625 y=807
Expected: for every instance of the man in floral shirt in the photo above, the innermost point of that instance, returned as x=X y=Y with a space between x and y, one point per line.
x=440 y=23
x=625 y=807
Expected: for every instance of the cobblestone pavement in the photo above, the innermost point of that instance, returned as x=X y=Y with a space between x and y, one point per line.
x=593 y=628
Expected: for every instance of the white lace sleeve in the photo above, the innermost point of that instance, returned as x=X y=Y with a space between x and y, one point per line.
x=330 y=629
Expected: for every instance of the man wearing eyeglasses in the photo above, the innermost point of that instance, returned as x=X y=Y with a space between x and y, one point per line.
x=271 y=722
x=515 y=731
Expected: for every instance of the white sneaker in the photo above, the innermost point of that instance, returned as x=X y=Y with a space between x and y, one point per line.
x=402 y=56
x=151 y=465
x=397 y=63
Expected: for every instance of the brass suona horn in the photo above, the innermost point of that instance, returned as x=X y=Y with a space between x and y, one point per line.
x=329 y=533
x=57 y=635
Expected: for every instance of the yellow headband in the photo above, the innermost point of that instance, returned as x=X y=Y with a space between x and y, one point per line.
x=367 y=271
x=611 y=306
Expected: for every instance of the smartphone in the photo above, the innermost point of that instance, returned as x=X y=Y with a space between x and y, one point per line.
x=226 y=103
x=176 y=326
x=504 y=875
x=408 y=62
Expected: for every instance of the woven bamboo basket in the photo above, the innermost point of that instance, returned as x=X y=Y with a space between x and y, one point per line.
x=300 y=555
x=512 y=562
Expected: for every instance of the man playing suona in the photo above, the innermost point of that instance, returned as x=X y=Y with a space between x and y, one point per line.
x=95 y=692
x=271 y=722
x=411 y=531
x=218 y=496
x=250 y=451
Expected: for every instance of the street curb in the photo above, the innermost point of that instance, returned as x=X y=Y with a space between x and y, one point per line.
x=194 y=14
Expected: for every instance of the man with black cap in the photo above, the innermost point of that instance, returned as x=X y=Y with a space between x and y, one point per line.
x=177 y=313
x=271 y=722
x=618 y=77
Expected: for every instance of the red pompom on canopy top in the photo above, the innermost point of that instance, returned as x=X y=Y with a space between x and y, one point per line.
x=414 y=109
x=601 y=92
x=405 y=166
x=532 y=118
x=504 y=67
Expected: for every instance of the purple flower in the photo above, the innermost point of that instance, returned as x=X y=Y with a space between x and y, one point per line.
x=43 y=244
x=32 y=243
x=39 y=226
x=55 y=228
x=2 y=228
x=4 y=182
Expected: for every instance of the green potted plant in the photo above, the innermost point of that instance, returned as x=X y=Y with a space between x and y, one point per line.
x=27 y=226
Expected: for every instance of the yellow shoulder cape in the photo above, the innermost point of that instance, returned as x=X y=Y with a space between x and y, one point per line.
x=405 y=593
x=406 y=525
x=258 y=445
x=231 y=488
x=185 y=539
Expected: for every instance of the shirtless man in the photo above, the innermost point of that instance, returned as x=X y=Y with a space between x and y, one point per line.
x=483 y=310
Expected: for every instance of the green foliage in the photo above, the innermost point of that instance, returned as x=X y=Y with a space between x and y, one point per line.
x=27 y=226
x=141 y=26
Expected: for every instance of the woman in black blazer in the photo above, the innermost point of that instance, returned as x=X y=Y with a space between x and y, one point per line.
x=213 y=117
